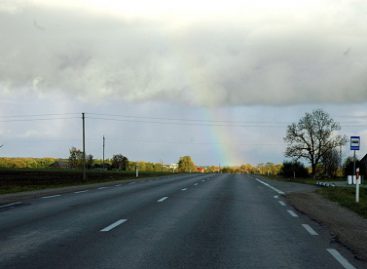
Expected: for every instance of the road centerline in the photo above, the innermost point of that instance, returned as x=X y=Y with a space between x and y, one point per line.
x=162 y=199
x=113 y=225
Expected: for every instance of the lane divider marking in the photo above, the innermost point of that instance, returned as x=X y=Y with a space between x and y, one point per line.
x=271 y=187
x=76 y=192
x=282 y=203
x=162 y=199
x=276 y=196
x=11 y=204
x=184 y=189
x=102 y=188
x=294 y=215
x=195 y=184
x=113 y=225
x=309 y=229
x=340 y=258
x=51 y=196
x=118 y=185
x=132 y=182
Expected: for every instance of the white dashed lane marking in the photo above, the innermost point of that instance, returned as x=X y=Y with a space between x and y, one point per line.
x=337 y=256
x=294 y=215
x=52 y=196
x=184 y=189
x=162 y=199
x=76 y=192
x=113 y=225
x=11 y=204
x=309 y=229
x=282 y=203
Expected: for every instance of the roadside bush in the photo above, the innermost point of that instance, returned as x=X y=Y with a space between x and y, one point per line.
x=291 y=169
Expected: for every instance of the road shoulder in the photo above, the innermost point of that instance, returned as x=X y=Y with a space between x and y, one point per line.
x=347 y=227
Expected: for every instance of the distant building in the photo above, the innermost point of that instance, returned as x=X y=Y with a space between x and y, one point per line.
x=200 y=169
x=363 y=166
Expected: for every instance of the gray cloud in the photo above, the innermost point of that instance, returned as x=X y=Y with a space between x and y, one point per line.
x=241 y=62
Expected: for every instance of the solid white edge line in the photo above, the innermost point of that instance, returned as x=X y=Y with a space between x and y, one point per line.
x=343 y=261
x=271 y=187
x=52 y=196
x=294 y=215
x=281 y=203
x=76 y=192
x=309 y=229
x=113 y=225
x=162 y=199
x=11 y=204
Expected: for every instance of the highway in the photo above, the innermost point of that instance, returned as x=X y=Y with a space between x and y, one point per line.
x=181 y=221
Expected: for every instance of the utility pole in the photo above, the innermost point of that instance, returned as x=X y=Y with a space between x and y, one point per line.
x=84 y=171
x=104 y=140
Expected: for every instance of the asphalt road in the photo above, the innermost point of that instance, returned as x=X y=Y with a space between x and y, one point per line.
x=187 y=221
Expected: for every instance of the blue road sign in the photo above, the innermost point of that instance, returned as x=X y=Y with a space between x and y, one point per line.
x=354 y=142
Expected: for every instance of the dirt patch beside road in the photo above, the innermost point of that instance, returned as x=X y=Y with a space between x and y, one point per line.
x=349 y=228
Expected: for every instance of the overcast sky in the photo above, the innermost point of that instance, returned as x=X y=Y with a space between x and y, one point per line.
x=234 y=72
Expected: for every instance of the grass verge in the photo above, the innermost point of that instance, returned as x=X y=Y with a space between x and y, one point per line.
x=346 y=197
x=20 y=180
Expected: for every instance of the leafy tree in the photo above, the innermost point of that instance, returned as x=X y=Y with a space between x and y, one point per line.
x=293 y=169
x=185 y=164
x=312 y=138
x=75 y=158
x=120 y=162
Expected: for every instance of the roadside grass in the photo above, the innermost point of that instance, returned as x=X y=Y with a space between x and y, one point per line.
x=346 y=197
x=20 y=180
x=307 y=180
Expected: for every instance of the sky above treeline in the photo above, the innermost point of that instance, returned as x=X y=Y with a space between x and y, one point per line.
x=216 y=80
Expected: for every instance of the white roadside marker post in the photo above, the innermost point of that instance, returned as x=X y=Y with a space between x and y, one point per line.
x=354 y=145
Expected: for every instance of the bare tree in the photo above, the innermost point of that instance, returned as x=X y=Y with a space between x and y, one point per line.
x=313 y=137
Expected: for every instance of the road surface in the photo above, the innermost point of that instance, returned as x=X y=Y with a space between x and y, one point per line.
x=182 y=221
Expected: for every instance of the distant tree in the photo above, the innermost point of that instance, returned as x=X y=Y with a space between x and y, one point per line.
x=185 y=164
x=120 y=162
x=293 y=169
x=330 y=163
x=349 y=165
x=89 y=161
x=312 y=138
x=75 y=158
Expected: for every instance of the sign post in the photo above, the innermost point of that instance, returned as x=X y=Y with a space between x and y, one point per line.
x=354 y=145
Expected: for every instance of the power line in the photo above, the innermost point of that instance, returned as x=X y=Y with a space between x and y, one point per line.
x=181 y=119
x=41 y=119
x=186 y=123
x=37 y=115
